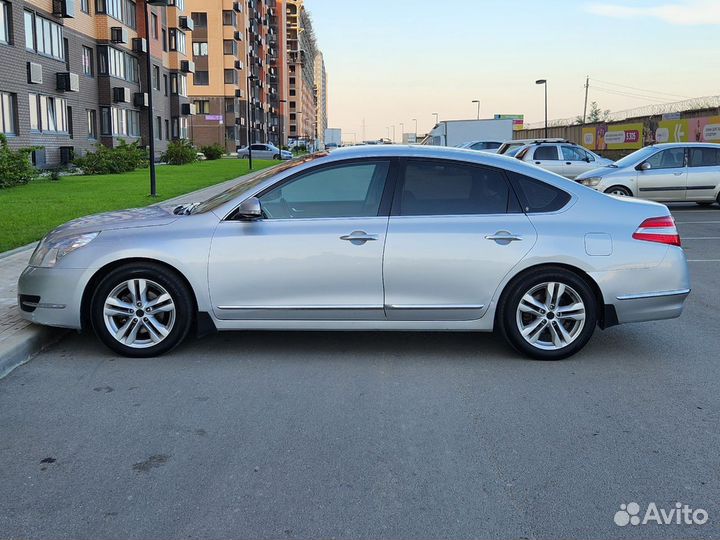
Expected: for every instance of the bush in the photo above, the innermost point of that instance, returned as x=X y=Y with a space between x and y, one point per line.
x=180 y=152
x=213 y=151
x=15 y=165
x=123 y=158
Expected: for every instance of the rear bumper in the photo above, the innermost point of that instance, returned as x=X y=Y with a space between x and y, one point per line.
x=651 y=306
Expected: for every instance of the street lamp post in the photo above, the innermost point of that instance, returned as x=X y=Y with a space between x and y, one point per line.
x=478 y=107
x=416 y=128
x=393 y=139
x=150 y=112
x=402 y=133
x=544 y=83
x=249 y=122
x=437 y=117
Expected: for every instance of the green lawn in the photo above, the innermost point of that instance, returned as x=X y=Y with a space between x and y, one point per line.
x=30 y=211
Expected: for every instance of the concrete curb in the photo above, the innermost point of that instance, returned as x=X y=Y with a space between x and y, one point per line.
x=26 y=247
x=23 y=345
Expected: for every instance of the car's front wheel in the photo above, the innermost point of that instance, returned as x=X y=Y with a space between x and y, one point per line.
x=548 y=315
x=141 y=310
x=620 y=191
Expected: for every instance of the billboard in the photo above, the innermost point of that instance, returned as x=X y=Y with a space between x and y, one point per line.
x=636 y=135
x=518 y=120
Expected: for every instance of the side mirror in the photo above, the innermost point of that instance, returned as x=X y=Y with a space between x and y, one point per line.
x=645 y=166
x=249 y=209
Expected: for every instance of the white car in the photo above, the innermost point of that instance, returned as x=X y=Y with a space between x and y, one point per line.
x=482 y=146
x=263 y=151
x=566 y=159
x=671 y=172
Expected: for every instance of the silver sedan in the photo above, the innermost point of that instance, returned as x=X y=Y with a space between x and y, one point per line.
x=367 y=238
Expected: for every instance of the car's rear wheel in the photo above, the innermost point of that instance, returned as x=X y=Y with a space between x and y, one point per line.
x=548 y=315
x=620 y=191
x=141 y=310
x=708 y=203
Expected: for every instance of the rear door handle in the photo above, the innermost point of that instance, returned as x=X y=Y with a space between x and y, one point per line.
x=504 y=237
x=359 y=237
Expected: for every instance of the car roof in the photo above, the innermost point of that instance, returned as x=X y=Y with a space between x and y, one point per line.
x=686 y=144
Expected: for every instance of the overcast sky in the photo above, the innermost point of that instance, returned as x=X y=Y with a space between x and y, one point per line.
x=390 y=61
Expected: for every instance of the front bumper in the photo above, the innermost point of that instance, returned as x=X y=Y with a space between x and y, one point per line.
x=52 y=296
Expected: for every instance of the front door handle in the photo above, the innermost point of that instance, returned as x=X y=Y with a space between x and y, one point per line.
x=359 y=237
x=504 y=237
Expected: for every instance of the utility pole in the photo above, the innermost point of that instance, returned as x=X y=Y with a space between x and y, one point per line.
x=587 y=87
x=363 y=127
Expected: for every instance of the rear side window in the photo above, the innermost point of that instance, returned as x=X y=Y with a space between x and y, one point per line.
x=548 y=153
x=704 y=157
x=536 y=196
x=434 y=188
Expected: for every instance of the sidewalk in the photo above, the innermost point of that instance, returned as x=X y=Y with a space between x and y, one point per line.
x=20 y=339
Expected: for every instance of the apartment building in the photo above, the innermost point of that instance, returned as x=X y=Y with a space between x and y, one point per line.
x=302 y=48
x=74 y=74
x=321 y=119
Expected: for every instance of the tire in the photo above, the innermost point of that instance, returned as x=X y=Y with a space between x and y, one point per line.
x=165 y=322
x=621 y=191
x=546 y=340
x=276 y=156
x=705 y=203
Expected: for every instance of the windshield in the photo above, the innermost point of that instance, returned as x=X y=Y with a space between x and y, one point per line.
x=513 y=150
x=251 y=182
x=636 y=156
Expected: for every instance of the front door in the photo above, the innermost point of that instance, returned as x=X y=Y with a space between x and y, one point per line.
x=455 y=232
x=316 y=253
x=666 y=179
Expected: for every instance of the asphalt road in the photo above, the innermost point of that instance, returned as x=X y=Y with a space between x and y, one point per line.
x=359 y=435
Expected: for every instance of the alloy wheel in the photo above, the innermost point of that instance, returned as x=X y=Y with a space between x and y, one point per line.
x=139 y=313
x=550 y=316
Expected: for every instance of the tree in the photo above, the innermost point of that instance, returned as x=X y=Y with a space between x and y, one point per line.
x=595 y=115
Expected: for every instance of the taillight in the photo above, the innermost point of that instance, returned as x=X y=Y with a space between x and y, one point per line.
x=658 y=229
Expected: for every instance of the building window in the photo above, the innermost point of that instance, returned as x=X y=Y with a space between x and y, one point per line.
x=133 y=118
x=4 y=22
x=154 y=25
x=164 y=39
x=105 y=122
x=229 y=18
x=200 y=48
x=180 y=4
x=292 y=104
x=87 y=61
x=201 y=78
x=156 y=77
x=91 y=124
x=132 y=71
x=48 y=114
x=165 y=84
x=292 y=80
x=292 y=91
x=124 y=11
x=43 y=36
x=202 y=106
x=200 y=20
x=85 y=6
x=230 y=47
x=7 y=113
x=177 y=40
x=158 y=128
x=230 y=105
x=118 y=64
x=167 y=129
x=178 y=84
x=230 y=76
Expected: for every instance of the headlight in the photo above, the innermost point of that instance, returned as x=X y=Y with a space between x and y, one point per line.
x=592 y=181
x=47 y=254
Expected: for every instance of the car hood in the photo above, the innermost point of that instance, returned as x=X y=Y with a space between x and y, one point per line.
x=119 y=219
x=605 y=170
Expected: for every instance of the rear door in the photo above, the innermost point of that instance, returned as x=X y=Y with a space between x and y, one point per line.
x=455 y=231
x=666 y=180
x=703 y=173
x=547 y=156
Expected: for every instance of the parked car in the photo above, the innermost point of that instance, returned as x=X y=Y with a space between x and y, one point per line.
x=508 y=147
x=482 y=146
x=670 y=172
x=367 y=238
x=264 y=151
x=566 y=159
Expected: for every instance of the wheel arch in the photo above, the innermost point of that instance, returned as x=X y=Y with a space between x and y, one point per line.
x=100 y=273
x=605 y=312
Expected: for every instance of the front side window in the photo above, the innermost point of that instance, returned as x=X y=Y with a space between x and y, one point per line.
x=4 y=22
x=547 y=153
x=704 y=157
x=7 y=113
x=672 y=158
x=351 y=190
x=434 y=188
x=571 y=153
x=537 y=196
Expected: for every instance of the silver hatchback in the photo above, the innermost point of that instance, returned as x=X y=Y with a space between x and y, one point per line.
x=367 y=238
